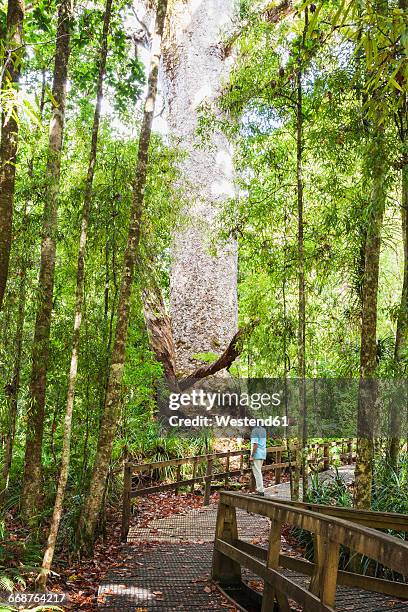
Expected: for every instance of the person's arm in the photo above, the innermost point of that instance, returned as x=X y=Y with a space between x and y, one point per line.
x=253 y=451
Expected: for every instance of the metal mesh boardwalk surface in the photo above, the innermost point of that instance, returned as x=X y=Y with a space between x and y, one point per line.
x=166 y=567
x=197 y=526
x=165 y=577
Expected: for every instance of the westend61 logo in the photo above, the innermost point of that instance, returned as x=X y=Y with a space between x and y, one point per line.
x=224 y=409
x=328 y=406
x=221 y=399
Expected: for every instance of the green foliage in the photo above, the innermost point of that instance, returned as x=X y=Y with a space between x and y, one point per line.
x=390 y=494
x=352 y=60
x=390 y=487
x=206 y=357
x=332 y=491
x=339 y=129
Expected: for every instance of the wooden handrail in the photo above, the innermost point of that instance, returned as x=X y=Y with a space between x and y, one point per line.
x=370 y=518
x=329 y=532
x=131 y=469
x=141 y=467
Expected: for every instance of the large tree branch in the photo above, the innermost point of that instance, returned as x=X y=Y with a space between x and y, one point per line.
x=269 y=11
x=162 y=342
x=224 y=361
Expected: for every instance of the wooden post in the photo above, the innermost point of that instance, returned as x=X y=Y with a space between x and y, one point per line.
x=227 y=469
x=328 y=573
x=278 y=471
x=272 y=562
x=324 y=579
x=127 y=485
x=208 y=478
x=225 y=570
x=318 y=559
x=326 y=456
x=178 y=478
x=241 y=462
x=194 y=473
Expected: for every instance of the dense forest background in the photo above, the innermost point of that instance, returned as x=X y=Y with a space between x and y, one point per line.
x=315 y=107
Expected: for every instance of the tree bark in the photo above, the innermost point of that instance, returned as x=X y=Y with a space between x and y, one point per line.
x=194 y=68
x=14 y=387
x=40 y=354
x=224 y=361
x=161 y=341
x=368 y=351
x=401 y=337
x=368 y=386
x=94 y=499
x=301 y=462
x=9 y=134
x=158 y=325
x=79 y=301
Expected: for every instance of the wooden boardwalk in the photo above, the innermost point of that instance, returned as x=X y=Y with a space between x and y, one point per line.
x=166 y=566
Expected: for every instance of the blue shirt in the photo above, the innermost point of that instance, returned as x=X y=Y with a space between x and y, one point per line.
x=258 y=436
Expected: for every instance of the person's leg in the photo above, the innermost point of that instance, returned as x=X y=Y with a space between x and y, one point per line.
x=257 y=472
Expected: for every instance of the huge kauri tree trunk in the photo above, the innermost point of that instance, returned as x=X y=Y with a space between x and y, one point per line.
x=203 y=302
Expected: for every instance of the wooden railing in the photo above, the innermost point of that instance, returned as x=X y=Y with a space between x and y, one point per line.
x=329 y=533
x=209 y=466
x=216 y=466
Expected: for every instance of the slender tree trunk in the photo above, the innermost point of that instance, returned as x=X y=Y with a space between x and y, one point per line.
x=9 y=134
x=66 y=447
x=94 y=499
x=286 y=361
x=15 y=382
x=40 y=354
x=368 y=352
x=18 y=341
x=368 y=386
x=302 y=428
x=401 y=338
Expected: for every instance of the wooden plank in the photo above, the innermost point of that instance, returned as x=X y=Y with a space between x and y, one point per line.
x=227 y=469
x=226 y=570
x=370 y=518
x=318 y=558
x=280 y=582
x=173 y=485
x=142 y=467
x=278 y=468
x=164 y=487
x=208 y=478
x=326 y=456
x=358 y=581
x=178 y=479
x=329 y=564
x=194 y=474
x=127 y=483
x=388 y=550
x=272 y=562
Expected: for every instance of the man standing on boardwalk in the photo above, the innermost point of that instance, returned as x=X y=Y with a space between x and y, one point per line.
x=258 y=456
